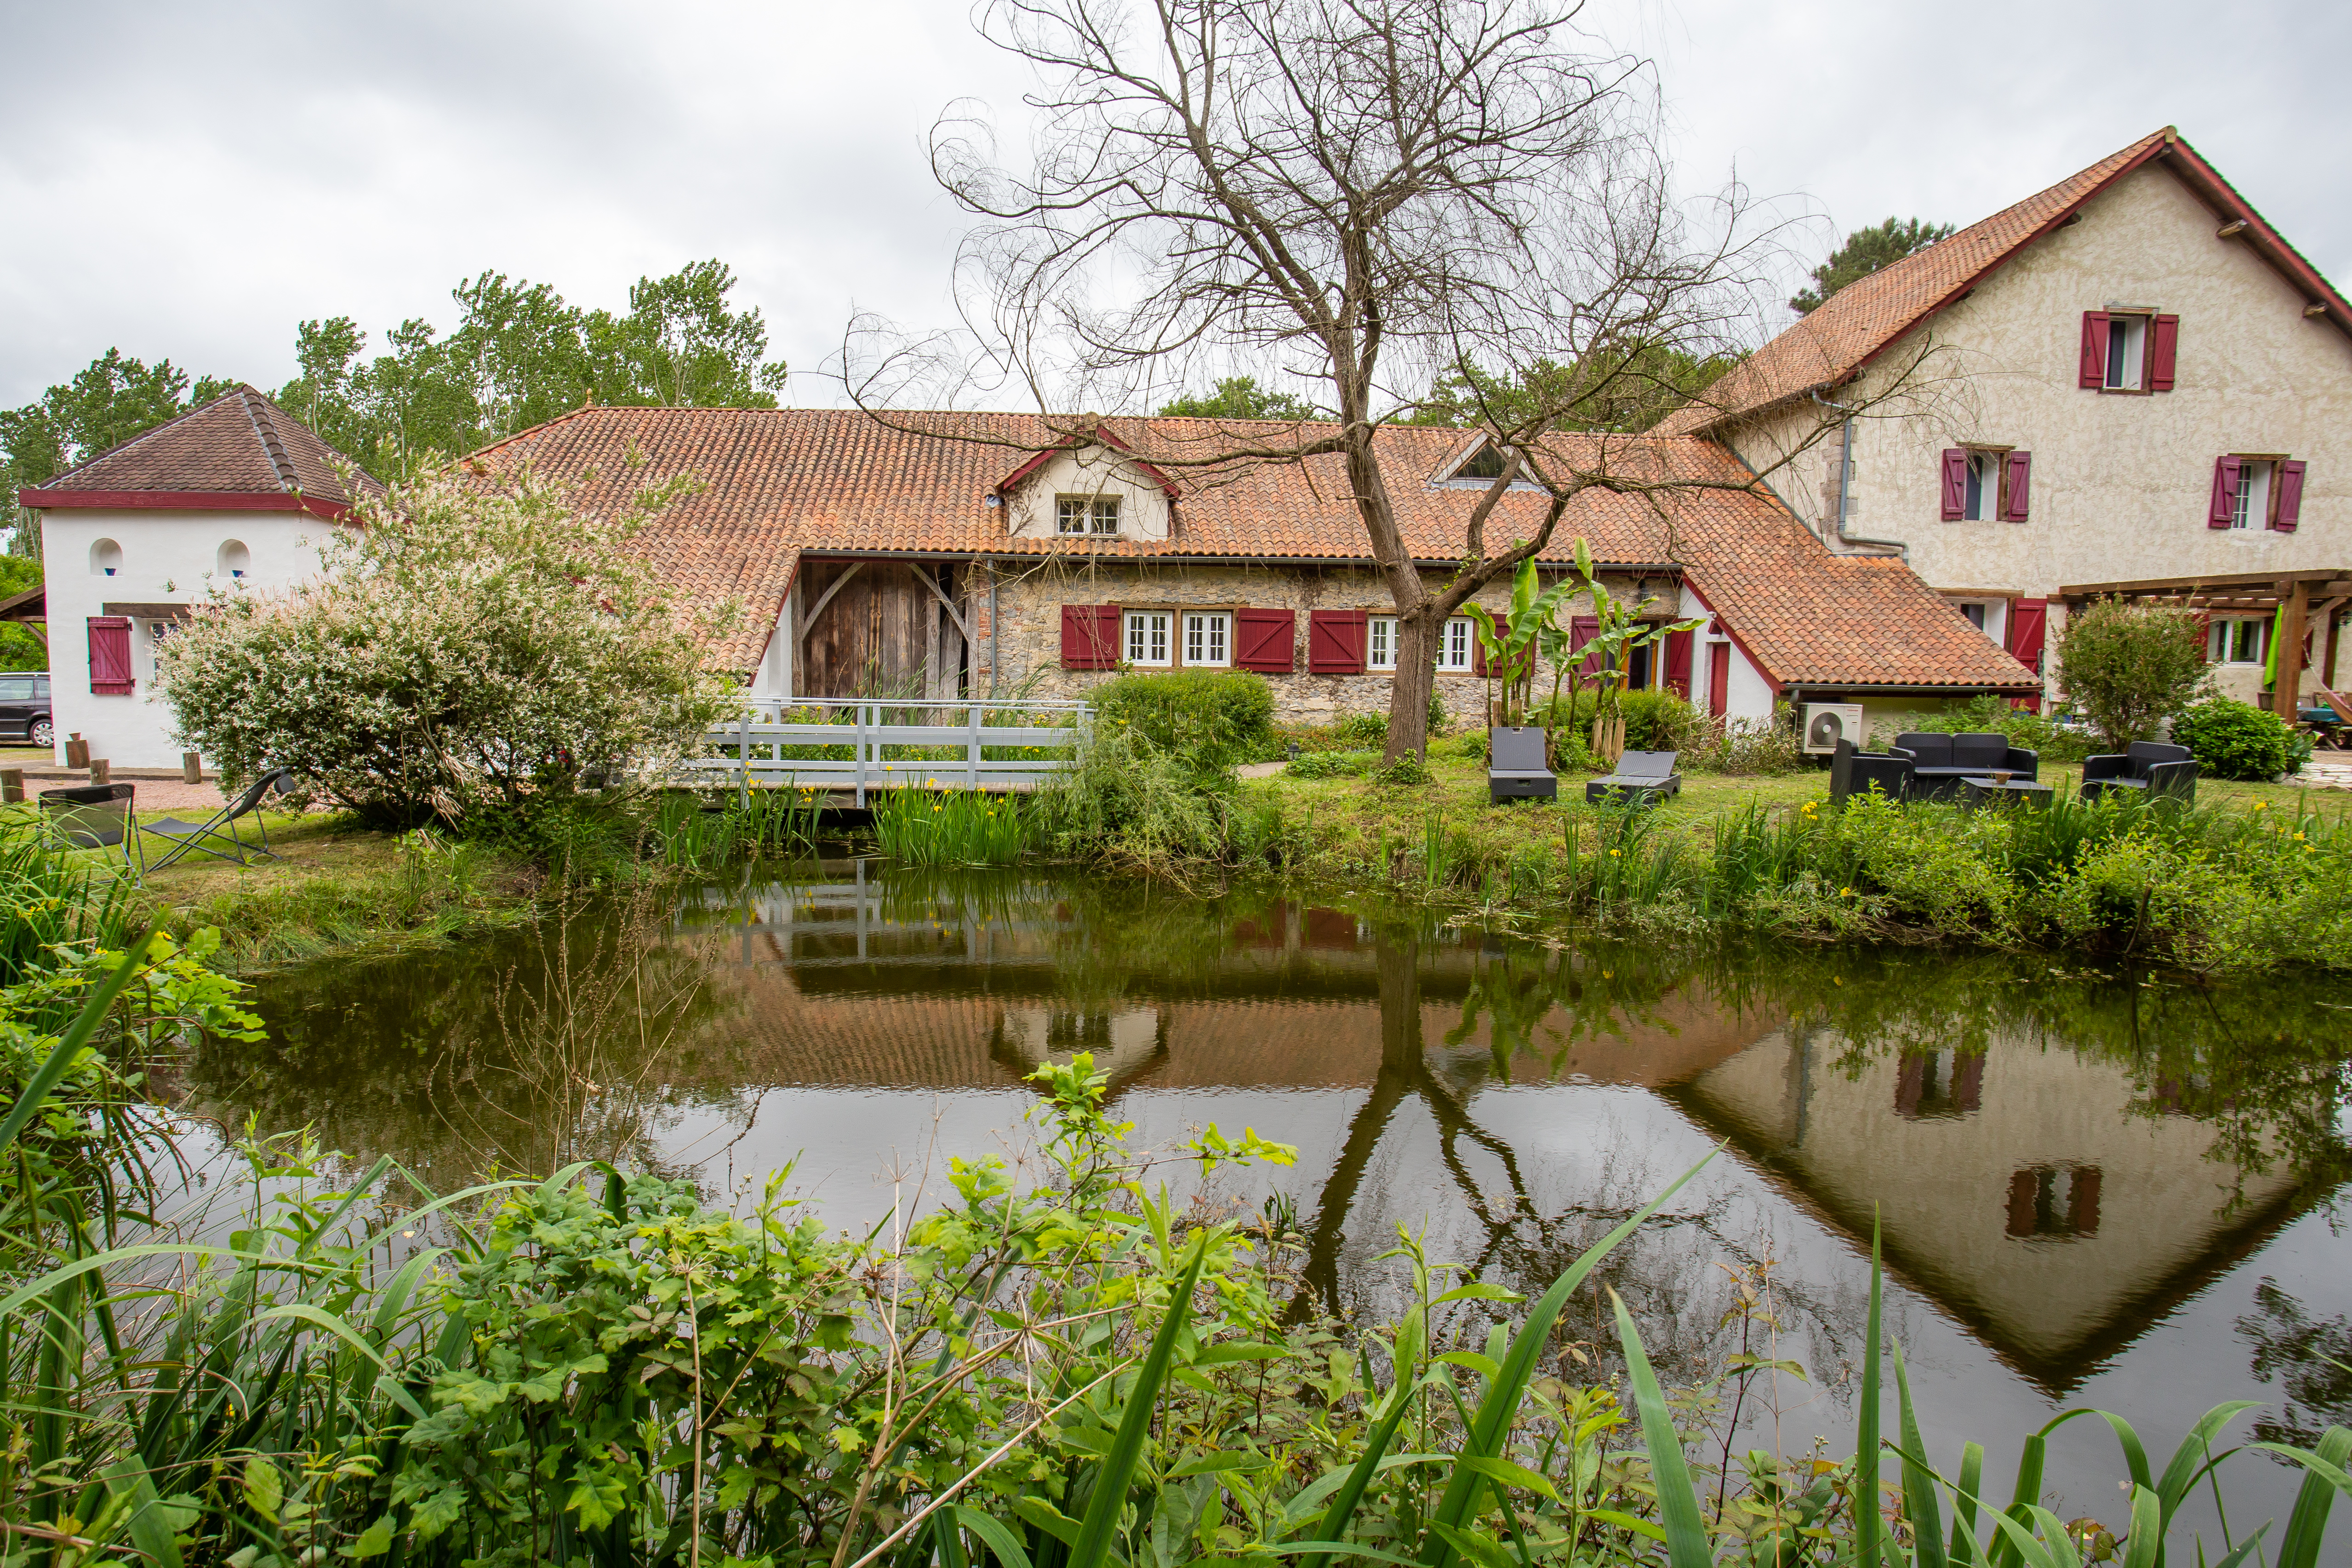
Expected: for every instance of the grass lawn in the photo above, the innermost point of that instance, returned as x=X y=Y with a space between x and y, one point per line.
x=332 y=888
x=1351 y=818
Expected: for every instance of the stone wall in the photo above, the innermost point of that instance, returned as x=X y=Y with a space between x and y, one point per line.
x=1025 y=645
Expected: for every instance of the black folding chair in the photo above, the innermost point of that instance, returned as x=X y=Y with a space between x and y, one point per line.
x=92 y=816
x=207 y=837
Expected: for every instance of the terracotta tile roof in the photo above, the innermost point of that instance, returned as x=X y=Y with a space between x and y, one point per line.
x=1825 y=347
x=777 y=482
x=240 y=444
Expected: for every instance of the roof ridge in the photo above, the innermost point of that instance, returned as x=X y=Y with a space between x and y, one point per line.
x=1851 y=307
x=265 y=429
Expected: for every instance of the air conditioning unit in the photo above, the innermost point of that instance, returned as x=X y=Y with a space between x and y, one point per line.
x=1826 y=723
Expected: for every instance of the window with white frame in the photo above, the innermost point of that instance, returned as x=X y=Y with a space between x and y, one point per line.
x=2250 y=509
x=1990 y=616
x=1208 y=638
x=2127 y=352
x=1149 y=636
x=1381 y=643
x=1086 y=514
x=1980 y=501
x=2235 y=640
x=1453 y=645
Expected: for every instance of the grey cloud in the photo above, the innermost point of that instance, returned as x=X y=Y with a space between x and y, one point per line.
x=190 y=180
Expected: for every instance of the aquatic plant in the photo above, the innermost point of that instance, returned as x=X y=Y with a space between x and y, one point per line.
x=1074 y=1370
x=951 y=827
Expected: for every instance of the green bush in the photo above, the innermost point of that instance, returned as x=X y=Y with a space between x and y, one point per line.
x=2131 y=666
x=1360 y=730
x=1333 y=764
x=1208 y=720
x=2233 y=740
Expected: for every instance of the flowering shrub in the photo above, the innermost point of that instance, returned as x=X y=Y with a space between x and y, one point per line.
x=471 y=645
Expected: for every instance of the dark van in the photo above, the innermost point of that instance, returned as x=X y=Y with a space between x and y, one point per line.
x=25 y=707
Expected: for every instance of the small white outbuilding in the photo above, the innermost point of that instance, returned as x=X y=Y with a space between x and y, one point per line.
x=236 y=494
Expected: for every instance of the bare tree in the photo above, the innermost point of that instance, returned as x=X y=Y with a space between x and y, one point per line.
x=1367 y=193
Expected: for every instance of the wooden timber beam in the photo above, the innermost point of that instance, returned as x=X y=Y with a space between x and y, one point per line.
x=2286 y=687
x=2327 y=612
x=826 y=597
x=946 y=603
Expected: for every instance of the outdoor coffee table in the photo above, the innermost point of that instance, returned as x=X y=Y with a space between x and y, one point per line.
x=1983 y=790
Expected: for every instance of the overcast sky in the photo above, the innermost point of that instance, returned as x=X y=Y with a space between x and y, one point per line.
x=190 y=180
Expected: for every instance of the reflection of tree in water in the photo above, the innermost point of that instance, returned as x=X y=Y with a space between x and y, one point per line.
x=582 y=1038
x=1667 y=1273
x=2311 y=1358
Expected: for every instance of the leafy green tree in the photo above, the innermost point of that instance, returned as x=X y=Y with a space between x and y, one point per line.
x=519 y=356
x=1238 y=397
x=19 y=649
x=2131 y=666
x=1864 y=253
x=110 y=399
x=680 y=347
x=1647 y=384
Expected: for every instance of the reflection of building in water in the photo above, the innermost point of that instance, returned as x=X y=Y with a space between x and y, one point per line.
x=1123 y=1041
x=2017 y=1186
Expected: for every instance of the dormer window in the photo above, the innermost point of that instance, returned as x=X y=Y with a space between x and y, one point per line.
x=1486 y=462
x=1086 y=514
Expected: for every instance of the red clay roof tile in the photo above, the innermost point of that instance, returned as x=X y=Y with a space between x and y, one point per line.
x=777 y=483
x=240 y=444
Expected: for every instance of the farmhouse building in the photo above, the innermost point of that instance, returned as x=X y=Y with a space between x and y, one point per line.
x=990 y=554
x=235 y=496
x=2129 y=382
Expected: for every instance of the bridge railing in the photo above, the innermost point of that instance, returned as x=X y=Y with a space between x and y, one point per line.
x=814 y=743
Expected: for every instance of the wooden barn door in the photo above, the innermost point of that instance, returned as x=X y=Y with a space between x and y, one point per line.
x=874 y=628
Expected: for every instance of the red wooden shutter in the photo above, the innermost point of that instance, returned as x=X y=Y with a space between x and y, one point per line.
x=1335 y=642
x=1089 y=636
x=2164 y=346
x=110 y=656
x=2029 y=624
x=1582 y=630
x=1265 y=641
x=2015 y=476
x=2094 y=347
x=2290 y=495
x=1718 y=678
x=2225 y=493
x=1678 y=657
x=1956 y=483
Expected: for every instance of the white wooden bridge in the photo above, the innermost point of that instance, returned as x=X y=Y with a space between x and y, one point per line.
x=855 y=747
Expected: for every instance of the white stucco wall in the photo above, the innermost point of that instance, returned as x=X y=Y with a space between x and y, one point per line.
x=167 y=558
x=1751 y=693
x=2121 y=482
x=1143 y=511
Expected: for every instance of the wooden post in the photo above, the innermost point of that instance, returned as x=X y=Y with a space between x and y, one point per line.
x=2327 y=666
x=77 y=750
x=12 y=785
x=192 y=768
x=2286 y=695
x=99 y=769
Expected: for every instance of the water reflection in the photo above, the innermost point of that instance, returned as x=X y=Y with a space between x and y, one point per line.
x=2066 y=1165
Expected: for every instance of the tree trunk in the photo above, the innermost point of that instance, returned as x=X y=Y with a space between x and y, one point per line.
x=1416 y=678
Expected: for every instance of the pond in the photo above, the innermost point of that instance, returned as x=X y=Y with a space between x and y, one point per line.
x=2110 y=1188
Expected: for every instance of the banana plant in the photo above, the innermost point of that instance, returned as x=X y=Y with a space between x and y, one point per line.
x=1513 y=644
